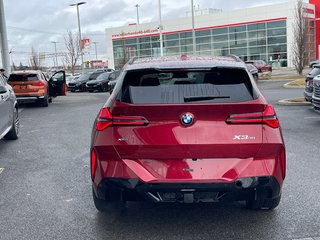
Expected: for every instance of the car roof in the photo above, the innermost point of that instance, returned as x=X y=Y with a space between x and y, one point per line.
x=26 y=72
x=187 y=62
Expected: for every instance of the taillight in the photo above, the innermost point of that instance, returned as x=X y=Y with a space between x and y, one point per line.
x=105 y=119
x=268 y=117
x=38 y=84
x=93 y=161
x=283 y=162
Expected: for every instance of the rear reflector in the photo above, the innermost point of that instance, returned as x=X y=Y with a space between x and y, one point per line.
x=105 y=119
x=93 y=160
x=283 y=162
x=268 y=117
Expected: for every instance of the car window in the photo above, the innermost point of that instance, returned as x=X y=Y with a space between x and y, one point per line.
x=22 y=77
x=95 y=75
x=2 y=81
x=44 y=76
x=84 y=76
x=188 y=86
x=112 y=76
x=315 y=71
x=103 y=76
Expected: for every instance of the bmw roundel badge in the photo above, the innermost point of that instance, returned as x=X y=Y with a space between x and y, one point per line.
x=187 y=119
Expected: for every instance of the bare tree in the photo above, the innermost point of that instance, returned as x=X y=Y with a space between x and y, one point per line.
x=36 y=59
x=125 y=54
x=73 y=50
x=300 y=38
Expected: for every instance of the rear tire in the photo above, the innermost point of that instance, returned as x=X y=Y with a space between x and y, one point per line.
x=45 y=101
x=13 y=134
x=104 y=88
x=108 y=206
x=263 y=203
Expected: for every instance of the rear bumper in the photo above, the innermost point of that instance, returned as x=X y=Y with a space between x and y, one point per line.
x=239 y=190
x=29 y=98
x=93 y=87
x=73 y=88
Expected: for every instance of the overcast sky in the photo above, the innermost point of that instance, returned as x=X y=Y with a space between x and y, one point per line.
x=36 y=23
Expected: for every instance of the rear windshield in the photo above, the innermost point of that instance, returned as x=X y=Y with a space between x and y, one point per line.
x=186 y=86
x=23 y=77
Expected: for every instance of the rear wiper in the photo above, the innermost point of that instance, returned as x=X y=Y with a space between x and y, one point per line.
x=203 y=98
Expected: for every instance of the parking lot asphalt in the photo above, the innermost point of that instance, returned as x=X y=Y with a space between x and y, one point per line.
x=45 y=186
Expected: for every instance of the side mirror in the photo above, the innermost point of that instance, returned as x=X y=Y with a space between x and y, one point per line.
x=3 y=89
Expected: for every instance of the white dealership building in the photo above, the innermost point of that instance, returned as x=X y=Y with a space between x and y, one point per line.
x=264 y=32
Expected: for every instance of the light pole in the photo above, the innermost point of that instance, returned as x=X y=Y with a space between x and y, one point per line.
x=137 y=6
x=55 y=54
x=193 y=31
x=4 y=41
x=95 y=49
x=160 y=29
x=80 y=40
x=11 y=57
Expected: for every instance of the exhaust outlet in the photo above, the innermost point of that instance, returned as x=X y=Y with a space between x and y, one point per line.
x=246 y=182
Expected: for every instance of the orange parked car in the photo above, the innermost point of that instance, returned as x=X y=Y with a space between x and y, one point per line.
x=33 y=86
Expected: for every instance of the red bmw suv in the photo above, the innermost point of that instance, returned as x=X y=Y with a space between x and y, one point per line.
x=187 y=129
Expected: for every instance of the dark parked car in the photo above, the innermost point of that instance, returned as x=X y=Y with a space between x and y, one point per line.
x=261 y=65
x=101 y=82
x=308 y=89
x=253 y=70
x=79 y=84
x=188 y=130
x=112 y=84
x=9 y=119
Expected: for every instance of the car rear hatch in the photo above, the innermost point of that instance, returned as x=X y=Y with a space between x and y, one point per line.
x=25 y=84
x=193 y=125
x=165 y=136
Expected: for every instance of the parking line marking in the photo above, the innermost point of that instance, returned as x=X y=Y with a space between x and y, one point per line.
x=20 y=110
x=312 y=117
x=302 y=239
x=1 y=170
x=308 y=238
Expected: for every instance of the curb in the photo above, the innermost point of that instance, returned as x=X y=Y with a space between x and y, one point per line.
x=286 y=102
x=287 y=85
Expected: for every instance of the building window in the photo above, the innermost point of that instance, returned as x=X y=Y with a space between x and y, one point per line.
x=258 y=41
x=219 y=31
